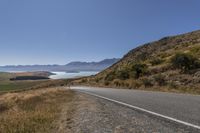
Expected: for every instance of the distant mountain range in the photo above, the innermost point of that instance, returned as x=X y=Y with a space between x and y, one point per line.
x=72 y=66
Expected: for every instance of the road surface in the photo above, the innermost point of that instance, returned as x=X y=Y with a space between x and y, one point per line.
x=182 y=108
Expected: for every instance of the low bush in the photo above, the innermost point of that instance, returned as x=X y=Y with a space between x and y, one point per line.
x=110 y=76
x=97 y=80
x=122 y=74
x=147 y=82
x=139 y=69
x=160 y=79
x=143 y=56
x=156 y=61
x=185 y=62
x=106 y=83
x=172 y=85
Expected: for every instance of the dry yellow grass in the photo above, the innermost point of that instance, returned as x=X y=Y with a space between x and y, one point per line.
x=151 y=67
x=32 y=111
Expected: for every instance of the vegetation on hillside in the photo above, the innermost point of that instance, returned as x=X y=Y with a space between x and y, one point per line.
x=185 y=62
x=169 y=64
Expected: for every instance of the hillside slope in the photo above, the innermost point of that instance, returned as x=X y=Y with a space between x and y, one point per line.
x=169 y=64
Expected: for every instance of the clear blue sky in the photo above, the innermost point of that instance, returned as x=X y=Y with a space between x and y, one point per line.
x=60 y=31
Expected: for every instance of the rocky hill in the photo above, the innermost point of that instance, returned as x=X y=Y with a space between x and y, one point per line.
x=169 y=64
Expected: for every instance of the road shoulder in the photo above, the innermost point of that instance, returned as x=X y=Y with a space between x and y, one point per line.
x=92 y=114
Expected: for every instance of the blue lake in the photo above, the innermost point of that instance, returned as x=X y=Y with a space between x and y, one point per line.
x=67 y=75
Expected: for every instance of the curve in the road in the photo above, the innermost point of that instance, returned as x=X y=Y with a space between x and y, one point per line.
x=99 y=92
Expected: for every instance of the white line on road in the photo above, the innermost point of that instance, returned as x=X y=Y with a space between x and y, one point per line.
x=144 y=110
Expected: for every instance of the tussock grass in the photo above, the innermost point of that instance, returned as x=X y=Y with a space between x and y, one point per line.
x=32 y=111
x=171 y=64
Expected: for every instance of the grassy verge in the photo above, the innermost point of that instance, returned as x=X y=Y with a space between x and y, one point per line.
x=16 y=86
x=140 y=84
x=32 y=111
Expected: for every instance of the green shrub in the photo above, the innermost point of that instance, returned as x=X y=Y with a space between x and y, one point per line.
x=139 y=69
x=147 y=82
x=110 y=76
x=185 y=62
x=143 y=56
x=123 y=74
x=97 y=80
x=156 y=61
x=106 y=83
x=172 y=85
x=160 y=79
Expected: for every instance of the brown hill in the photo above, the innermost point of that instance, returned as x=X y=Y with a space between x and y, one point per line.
x=169 y=64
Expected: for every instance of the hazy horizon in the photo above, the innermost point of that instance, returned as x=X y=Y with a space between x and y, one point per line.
x=56 y=64
x=58 y=32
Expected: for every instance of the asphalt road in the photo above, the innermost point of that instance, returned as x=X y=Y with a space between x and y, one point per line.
x=183 y=107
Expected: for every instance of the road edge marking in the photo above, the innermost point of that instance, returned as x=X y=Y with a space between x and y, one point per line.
x=143 y=110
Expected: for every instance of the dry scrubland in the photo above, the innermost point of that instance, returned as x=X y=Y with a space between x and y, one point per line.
x=30 y=106
x=171 y=64
x=33 y=111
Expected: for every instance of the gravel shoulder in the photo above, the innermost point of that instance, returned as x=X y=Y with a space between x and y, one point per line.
x=89 y=114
